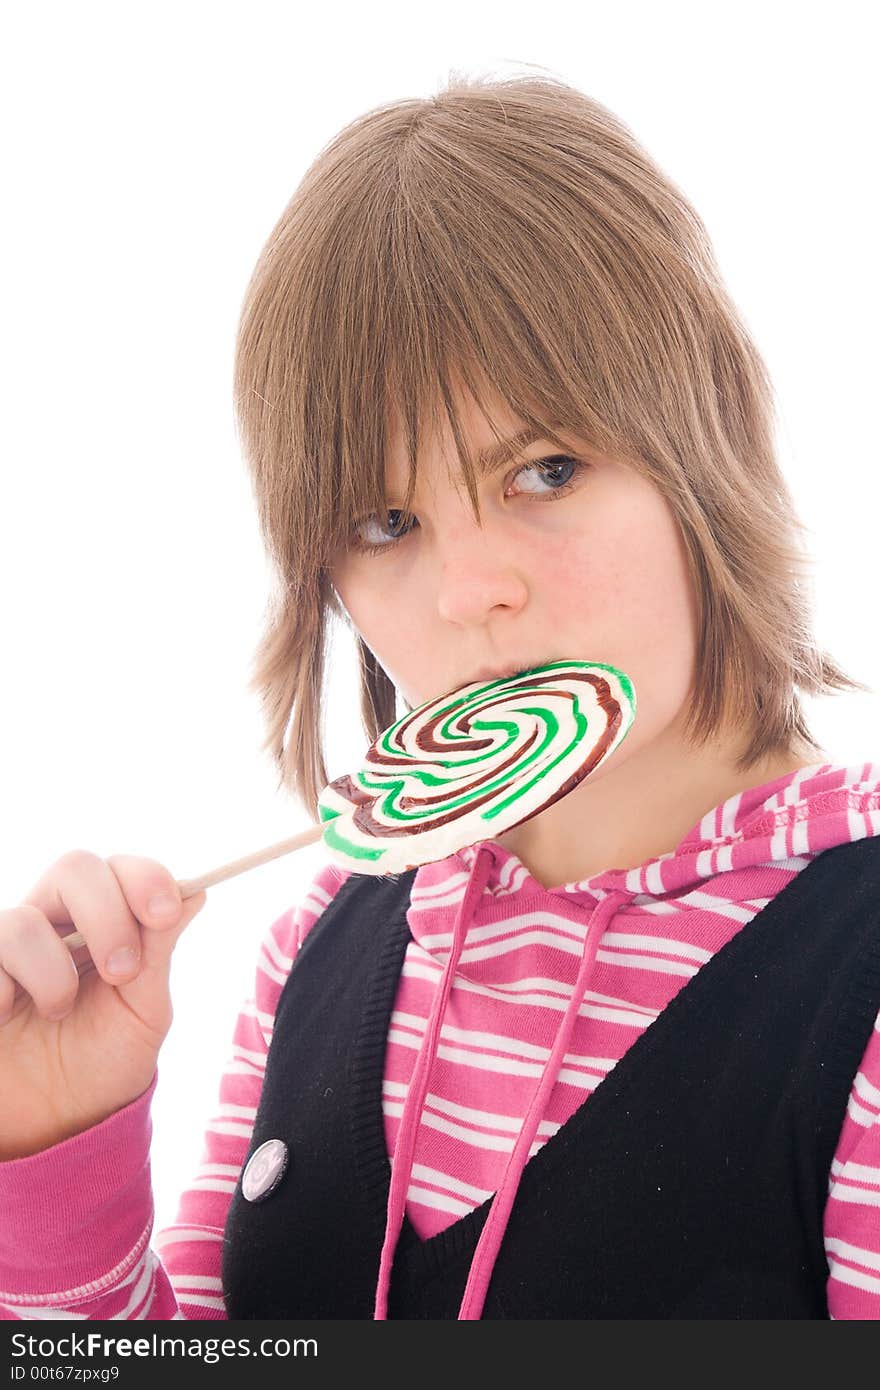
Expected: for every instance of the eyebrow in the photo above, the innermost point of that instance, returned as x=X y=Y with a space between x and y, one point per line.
x=494 y=455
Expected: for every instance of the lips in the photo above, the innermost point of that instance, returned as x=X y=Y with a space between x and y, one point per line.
x=498 y=673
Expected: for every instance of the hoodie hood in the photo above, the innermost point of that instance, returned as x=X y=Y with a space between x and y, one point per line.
x=799 y=814
x=757 y=840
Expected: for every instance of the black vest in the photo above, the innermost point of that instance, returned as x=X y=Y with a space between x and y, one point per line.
x=690 y=1184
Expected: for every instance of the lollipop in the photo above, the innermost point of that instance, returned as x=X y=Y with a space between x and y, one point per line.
x=473 y=763
x=463 y=767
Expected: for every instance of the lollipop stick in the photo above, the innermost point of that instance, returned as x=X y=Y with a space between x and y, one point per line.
x=190 y=886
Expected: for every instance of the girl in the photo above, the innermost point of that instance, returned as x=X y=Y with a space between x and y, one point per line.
x=621 y=1061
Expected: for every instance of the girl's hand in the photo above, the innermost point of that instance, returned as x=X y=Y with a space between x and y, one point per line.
x=76 y=1048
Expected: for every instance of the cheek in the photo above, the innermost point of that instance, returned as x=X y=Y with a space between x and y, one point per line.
x=377 y=617
x=389 y=617
x=629 y=599
x=364 y=609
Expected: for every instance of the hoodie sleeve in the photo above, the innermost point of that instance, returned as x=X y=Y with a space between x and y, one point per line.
x=852 y=1212
x=77 y=1218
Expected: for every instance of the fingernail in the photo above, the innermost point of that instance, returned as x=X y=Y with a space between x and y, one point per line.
x=122 y=962
x=164 y=905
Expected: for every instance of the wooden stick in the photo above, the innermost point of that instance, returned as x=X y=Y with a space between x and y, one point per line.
x=190 y=886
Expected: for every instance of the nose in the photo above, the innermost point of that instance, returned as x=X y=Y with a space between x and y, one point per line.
x=478 y=571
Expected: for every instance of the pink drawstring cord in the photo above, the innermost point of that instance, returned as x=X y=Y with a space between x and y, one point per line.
x=404 y=1148
x=496 y=1222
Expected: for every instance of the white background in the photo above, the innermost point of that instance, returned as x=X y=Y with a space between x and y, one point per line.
x=148 y=152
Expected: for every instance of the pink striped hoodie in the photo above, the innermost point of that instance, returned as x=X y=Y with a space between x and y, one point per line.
x=514 y=1002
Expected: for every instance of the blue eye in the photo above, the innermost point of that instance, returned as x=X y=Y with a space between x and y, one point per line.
x=547 y=468
x=395 y=528
x=551 y=467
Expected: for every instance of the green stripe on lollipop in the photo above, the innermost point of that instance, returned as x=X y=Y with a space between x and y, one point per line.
x=430 y=779
x=333 y=840
x=387 y=808
x=582 y=724
x=597 y=710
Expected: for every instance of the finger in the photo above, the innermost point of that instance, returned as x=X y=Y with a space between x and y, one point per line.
x=33 y=956
x=82 y=889
x=7 y=996
x=147 y=993
x=155 y=900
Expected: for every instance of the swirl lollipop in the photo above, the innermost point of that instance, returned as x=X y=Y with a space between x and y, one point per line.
x=473 y=763
x=460 y=768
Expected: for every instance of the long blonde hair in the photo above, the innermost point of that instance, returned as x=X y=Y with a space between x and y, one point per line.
x=511 y=231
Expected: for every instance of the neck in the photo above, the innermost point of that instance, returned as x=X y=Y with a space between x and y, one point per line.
x=642 y=808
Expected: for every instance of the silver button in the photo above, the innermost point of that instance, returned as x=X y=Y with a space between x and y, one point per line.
x=264 y=1170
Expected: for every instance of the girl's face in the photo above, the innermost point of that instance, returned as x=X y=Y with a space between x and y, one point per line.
x=577 y=558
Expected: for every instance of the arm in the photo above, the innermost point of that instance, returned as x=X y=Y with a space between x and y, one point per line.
x=76 y=1219
x=852 y=1212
